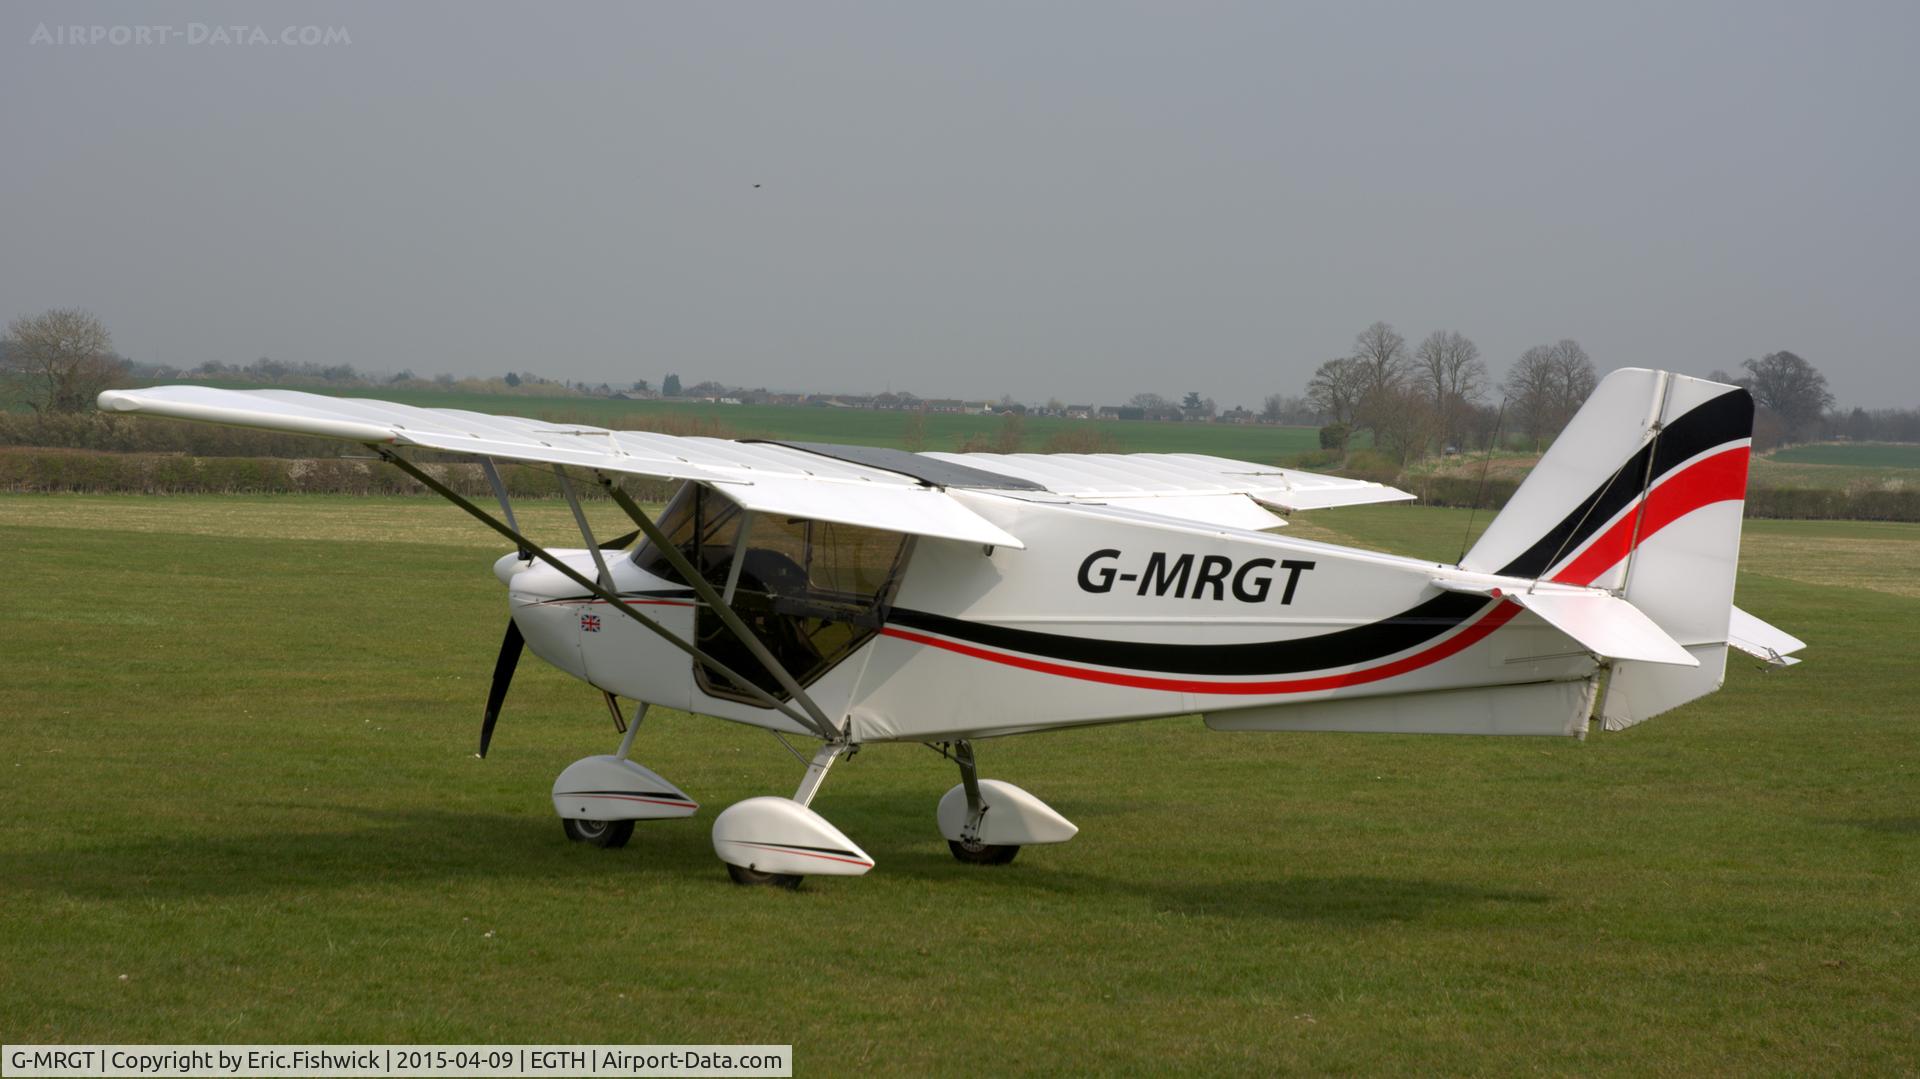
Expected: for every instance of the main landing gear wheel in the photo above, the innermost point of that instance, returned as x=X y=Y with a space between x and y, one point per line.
x=754 y=878
x=982 y=853
x=608 y=834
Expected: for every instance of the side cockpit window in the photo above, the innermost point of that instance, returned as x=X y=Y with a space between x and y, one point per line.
x=811 y=591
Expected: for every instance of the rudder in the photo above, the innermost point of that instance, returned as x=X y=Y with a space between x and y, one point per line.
x=1642 y=494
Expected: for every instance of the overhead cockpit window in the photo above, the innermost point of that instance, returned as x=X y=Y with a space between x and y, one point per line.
x=695 y=511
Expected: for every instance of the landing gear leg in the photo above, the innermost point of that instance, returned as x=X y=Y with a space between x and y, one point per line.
x=968 y=848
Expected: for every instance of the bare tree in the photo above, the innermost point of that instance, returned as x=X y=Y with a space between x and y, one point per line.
x=1531 y=397
x=1789 y=387
x=1401 y=419
x=1448 y=369
x=1337 y=387
x=1381 y=354
x=62 y=359
x=1574 y=380
x=1546 y=386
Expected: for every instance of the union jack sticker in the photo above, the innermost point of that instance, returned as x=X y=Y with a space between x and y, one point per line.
x=589 y=623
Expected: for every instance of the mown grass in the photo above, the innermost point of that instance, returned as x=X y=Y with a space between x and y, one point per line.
x=242 y=806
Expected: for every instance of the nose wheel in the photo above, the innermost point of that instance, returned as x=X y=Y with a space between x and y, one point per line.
x=974 y=852
x=754 y=878
x=606 y=834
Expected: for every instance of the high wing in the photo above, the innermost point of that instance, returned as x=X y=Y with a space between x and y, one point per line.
x=760 y=476
x=877 y=488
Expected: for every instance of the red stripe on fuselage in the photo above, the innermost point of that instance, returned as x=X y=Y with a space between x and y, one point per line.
x=1487 y=623
x=1719 y=478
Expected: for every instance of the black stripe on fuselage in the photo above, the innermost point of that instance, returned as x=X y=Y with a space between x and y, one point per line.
x=1711 y=423
x=1342 y=648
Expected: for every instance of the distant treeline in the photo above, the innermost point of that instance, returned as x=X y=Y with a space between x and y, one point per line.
x=1870 y=425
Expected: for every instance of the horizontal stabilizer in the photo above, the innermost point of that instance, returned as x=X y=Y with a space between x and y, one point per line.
x=1757 y=638
x=1607 y=624
x=1604 y=623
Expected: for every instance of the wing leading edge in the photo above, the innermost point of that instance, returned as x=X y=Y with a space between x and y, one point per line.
x=850 y=485
x=761 y=477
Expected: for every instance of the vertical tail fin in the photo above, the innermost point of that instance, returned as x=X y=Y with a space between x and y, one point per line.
x=1642 y=494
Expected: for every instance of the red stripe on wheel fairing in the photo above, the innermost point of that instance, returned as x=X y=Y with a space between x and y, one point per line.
x=778 y=849
x=631 y=798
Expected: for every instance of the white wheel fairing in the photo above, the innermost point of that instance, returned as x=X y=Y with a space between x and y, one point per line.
x=779 y=835
x=613 y=788
x=1014 y=818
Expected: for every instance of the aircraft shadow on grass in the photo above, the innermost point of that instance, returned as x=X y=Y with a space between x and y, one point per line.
x=1896 y=825
x=422 y=846
x=1351 y=899
x=388 y=846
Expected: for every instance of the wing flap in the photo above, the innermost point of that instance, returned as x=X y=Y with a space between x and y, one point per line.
x=1353 y=493
x=1226 y=511
x=1097 y=477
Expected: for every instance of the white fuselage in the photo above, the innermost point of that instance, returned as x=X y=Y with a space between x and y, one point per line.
x=1106 y=615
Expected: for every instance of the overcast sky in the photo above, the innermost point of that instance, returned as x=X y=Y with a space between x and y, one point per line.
x=972 y=199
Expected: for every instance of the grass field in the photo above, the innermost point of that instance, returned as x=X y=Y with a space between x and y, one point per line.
x=241 y=806
x=861 y=427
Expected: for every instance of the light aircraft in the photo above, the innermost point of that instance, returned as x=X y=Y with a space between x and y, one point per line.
x=855 y=595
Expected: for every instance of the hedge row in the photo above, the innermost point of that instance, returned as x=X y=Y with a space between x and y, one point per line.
x=83 y=472
x=1821 y=504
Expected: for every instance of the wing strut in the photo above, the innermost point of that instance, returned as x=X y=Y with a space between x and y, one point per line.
x=387 y=454
x=580 y=519
x=713 y=599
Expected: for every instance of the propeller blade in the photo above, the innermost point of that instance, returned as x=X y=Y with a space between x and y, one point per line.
x=510 y=646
